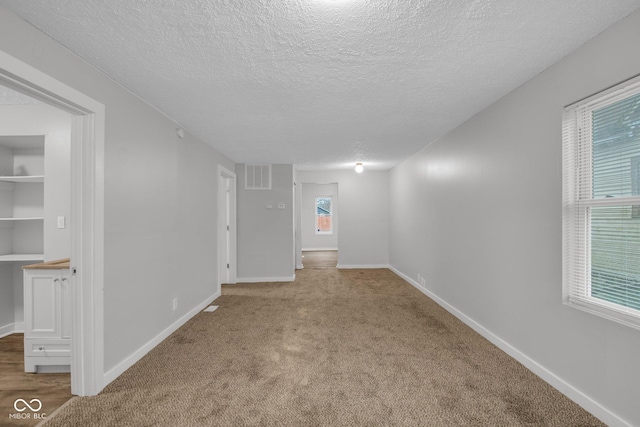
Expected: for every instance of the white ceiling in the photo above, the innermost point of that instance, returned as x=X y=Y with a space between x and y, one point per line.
x=321 y=83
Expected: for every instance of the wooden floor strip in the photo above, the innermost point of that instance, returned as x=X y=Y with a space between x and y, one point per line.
x=319 y=259
x=53 y=390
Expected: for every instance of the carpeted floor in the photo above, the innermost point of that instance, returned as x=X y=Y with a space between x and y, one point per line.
x=335 y=347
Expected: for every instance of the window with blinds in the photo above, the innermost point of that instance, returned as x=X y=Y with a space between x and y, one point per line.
x=601 y=204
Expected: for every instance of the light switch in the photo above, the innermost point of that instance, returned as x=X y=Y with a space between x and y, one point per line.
x=61 y=222
x=269 y=206
x=280 y=205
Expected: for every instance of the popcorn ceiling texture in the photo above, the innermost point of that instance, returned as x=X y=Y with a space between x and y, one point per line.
x=321 y=83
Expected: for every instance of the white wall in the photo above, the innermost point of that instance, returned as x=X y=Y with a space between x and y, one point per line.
x=57 y=191
x=265 y=239
x=6 y=299
x=364 y=215
x=311 y=240
x=160 y=202
x=11 y=298
x=478 y=214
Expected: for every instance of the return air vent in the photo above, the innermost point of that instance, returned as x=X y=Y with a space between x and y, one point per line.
x=257 y=177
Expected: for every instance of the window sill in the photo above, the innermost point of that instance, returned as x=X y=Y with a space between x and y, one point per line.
x=602 y=309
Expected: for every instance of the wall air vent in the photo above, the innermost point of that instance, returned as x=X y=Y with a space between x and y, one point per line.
x=257 y=177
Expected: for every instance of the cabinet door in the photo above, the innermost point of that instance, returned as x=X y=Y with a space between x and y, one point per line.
x=65 y=307
x=42 y=302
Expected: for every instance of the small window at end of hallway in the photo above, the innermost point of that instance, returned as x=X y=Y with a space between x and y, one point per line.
x=601 y=204
x=324 y=217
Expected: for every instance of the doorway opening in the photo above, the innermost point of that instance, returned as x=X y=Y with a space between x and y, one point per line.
x=319 y=225
x=227 y=270
x=86 y=217
x=35 y=317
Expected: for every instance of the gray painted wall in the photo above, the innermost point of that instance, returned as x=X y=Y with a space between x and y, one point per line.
x=311 y=240
x=160 y=200
x=478 y=214
x=364 y=214
x=266 y=236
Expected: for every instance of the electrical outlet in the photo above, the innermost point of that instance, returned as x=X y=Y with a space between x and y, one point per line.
x=175 y=304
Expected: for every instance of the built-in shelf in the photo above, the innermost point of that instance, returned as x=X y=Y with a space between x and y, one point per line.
x=30 y=178
x=21 y=257
x=21 y=200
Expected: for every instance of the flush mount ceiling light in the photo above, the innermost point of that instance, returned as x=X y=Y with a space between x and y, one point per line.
x=334 y=2
x=359 y=168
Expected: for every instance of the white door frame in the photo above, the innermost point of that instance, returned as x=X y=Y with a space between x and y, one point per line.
x=87 y=215
x=226 y=209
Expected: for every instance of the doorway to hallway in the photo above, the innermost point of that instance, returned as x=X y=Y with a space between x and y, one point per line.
x=226 y=226
x=318 y=225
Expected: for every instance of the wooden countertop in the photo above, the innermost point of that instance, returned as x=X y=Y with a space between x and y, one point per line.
x=58 y=264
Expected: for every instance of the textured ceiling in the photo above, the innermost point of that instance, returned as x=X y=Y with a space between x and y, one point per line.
x=321 y=83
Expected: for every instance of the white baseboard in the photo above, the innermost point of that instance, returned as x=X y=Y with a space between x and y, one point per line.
x=364 y=266
x=116 y=371
x=12 y=328
x=265 y=279
x=299 y=267
x=53 y=369
x=7 y=330
x=562 y=386
x=318 y=249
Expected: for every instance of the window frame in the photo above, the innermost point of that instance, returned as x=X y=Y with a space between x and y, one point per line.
x=316 y=229
x=577 y=195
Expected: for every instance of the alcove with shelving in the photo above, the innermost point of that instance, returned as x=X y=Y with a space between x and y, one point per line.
x=21 y=198
x=35 y=201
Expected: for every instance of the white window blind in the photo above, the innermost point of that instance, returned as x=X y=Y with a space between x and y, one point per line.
x=257 y=177
x=601 y=205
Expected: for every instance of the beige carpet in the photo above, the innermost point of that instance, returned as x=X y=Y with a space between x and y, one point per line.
x=335 y=348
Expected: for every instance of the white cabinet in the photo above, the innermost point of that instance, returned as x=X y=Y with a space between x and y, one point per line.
x=47 y=318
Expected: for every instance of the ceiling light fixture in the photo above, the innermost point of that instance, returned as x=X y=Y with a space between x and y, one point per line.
x=359 y=168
